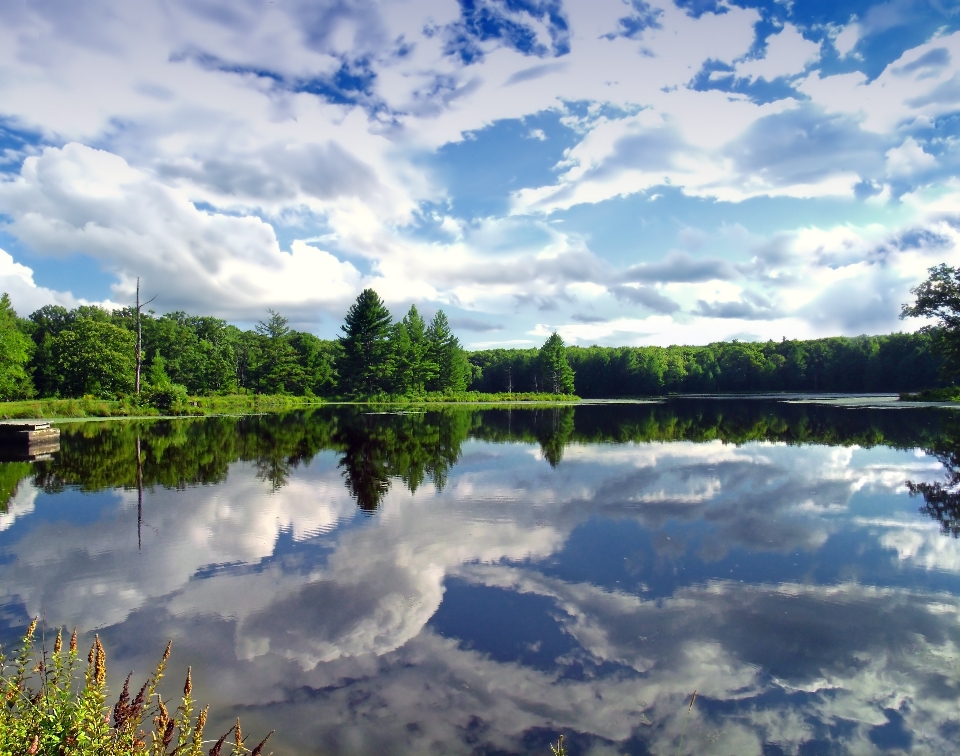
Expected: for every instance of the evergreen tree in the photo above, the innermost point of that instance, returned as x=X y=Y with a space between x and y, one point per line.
x=556 y=373
x=413 y=365
x=364 y=365
x=280 y=370
x=453 y=369
x=317 y=358
x=15 y=351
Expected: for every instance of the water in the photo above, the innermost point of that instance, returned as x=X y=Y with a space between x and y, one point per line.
x=482 y=581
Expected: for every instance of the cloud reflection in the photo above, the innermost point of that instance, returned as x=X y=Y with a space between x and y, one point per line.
x=319 y=623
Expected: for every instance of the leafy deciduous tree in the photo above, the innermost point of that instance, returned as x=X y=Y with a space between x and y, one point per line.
x=939 y=297
x=15 y=351
x=95 y=357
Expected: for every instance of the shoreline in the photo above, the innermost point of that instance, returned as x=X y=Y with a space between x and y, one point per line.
x=79 y=410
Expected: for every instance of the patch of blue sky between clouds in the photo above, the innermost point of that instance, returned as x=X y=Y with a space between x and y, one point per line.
x=642 y=16
x=81 y=275
x=16 y=143
x=481 y=171
x=512 y=23
x=885 y=31
x=721 y=76
x=352 y=83
x=639 y=228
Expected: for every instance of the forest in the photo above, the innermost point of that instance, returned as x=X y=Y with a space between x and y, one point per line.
x=92 y=352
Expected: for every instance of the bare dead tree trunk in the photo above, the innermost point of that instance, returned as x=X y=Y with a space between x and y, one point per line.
x=140 y=337
x=139 y=355
x=139 y=496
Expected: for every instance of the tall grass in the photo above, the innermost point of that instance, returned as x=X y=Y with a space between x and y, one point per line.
x=45 y=711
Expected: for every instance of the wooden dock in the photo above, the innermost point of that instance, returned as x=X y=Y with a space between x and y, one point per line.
x=24 y=441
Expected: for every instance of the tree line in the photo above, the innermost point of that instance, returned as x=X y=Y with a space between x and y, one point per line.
x=892 y=363
x=90 y=351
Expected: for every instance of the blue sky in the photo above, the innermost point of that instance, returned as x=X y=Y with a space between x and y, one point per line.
x=622 y=172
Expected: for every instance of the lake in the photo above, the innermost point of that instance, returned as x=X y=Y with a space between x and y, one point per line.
x=481 y=581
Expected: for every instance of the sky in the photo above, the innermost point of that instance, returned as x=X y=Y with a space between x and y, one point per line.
x=624 y=173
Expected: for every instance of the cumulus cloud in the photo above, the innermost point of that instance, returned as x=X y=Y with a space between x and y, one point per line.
x=79 y=199
x=263 y=146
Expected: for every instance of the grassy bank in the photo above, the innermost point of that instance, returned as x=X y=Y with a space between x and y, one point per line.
x=948 y=394
x=204 y=405
x=238 y=404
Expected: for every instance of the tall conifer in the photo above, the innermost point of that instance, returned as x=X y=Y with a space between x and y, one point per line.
x=556 y=375
x=453 y=369
x=364 y=364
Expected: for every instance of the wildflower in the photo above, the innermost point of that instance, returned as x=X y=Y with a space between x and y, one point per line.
x=215 y=751
x=101 y=670
x=188 y=685
x=257 y=751
x=58 y=644
x=73 y=641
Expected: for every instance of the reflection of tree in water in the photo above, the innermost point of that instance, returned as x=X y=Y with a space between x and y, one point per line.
x=413 y=447
x=941 y=500
x=554 y=428
x=421 y=447
x=365 y=451
x=11 y=475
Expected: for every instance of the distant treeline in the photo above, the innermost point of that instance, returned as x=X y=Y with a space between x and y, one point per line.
x=893 y=363
x=91 y=351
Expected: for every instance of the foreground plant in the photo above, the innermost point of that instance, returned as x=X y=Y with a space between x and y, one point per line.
x=43 y=713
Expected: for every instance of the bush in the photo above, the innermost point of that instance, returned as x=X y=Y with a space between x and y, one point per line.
x=44 y=715
x=167 y=397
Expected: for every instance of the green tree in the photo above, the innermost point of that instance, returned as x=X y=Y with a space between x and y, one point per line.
x=15 y=351
x=317 y=359
x=444 y=350
x=95 y=357
x=939 y=297
x=280 y=370
x=45 y=324
x=413 y=363
x=556 y=373
x=364 y=364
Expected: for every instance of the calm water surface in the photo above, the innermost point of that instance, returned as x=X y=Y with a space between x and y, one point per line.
x=482 y=581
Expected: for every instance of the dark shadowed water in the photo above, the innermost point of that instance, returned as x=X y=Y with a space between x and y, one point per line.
x=482 y=581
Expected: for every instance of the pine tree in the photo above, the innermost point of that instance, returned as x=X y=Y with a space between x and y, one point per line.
x=280 y=371
x=364 y=364
x=556 y=375
x=413 y=365
x=453 y=369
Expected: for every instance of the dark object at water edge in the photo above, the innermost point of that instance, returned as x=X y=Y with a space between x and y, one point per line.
x=27 y=441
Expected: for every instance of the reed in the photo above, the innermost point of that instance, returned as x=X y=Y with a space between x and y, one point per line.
x=45 y=711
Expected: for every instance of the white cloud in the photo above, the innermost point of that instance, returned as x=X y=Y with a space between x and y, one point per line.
x=846 y=39
x=158 y=108
x=787 y=53
x=79 y=199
